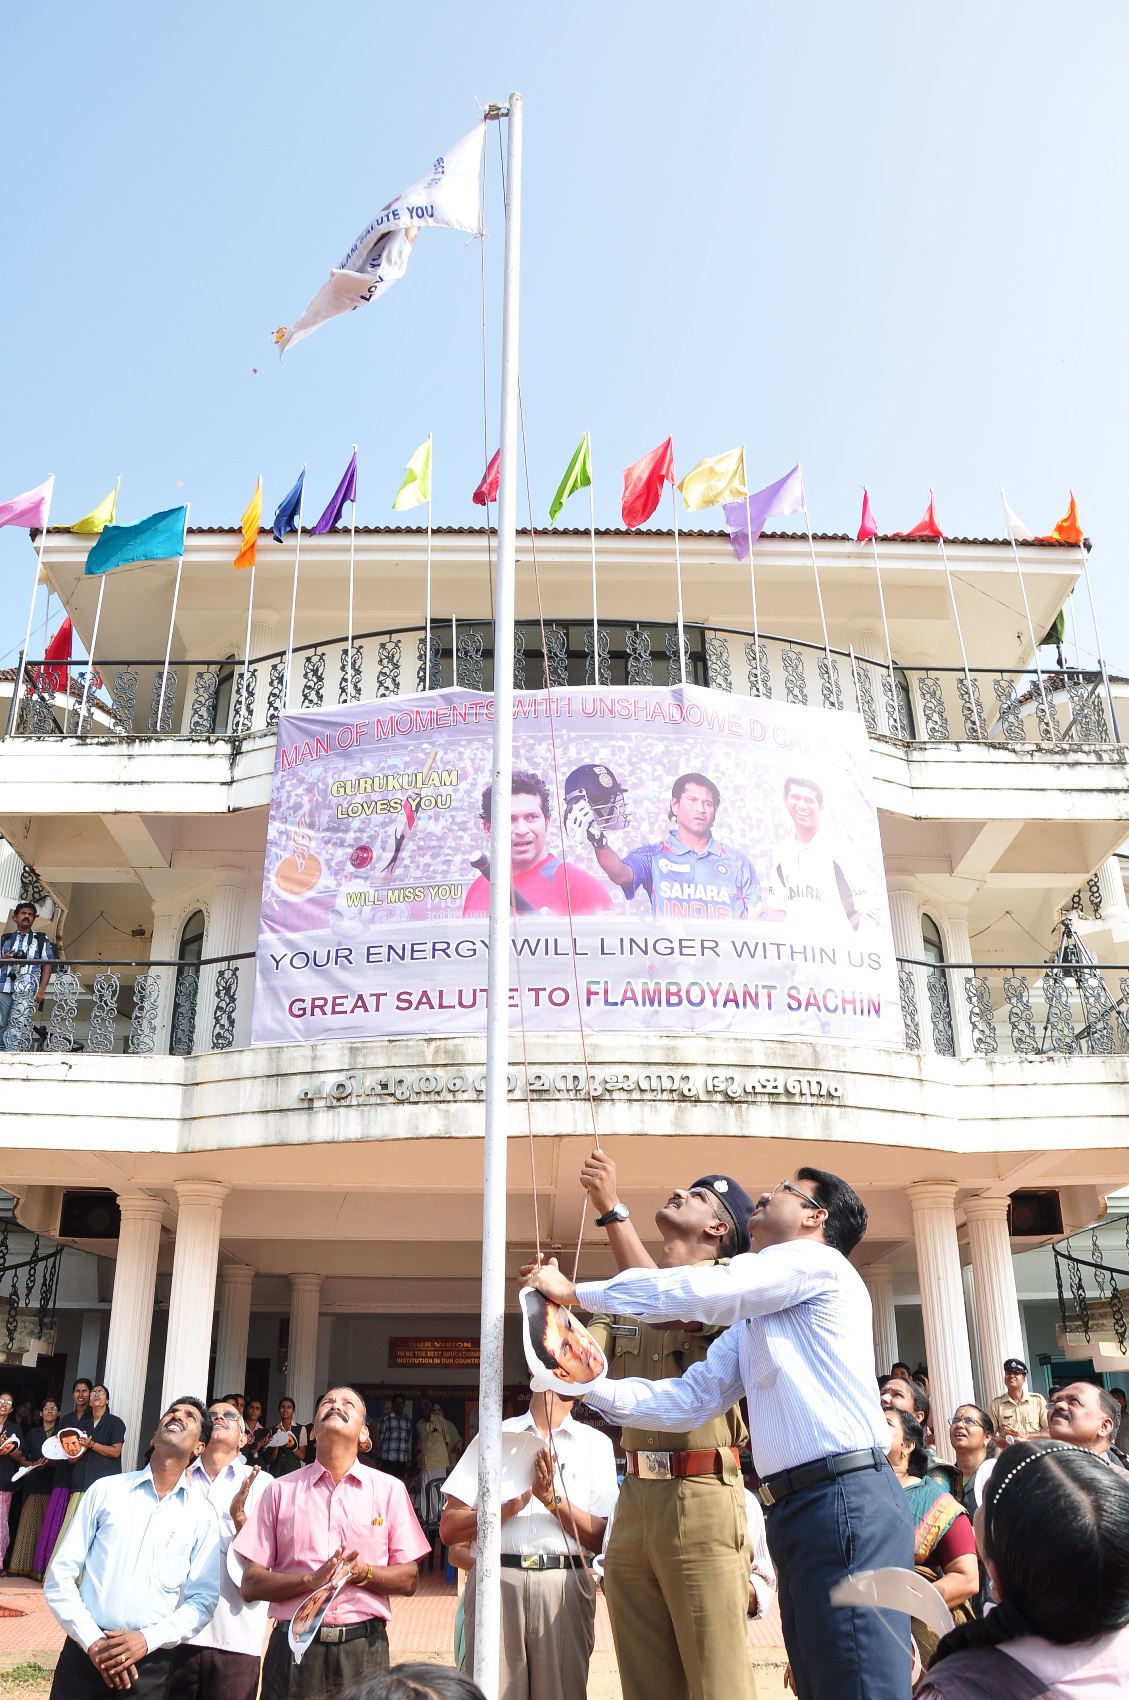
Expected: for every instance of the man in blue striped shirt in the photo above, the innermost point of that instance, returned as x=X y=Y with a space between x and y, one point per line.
x=798 y=1343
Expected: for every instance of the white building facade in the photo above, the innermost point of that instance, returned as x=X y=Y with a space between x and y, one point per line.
x=281 y=1217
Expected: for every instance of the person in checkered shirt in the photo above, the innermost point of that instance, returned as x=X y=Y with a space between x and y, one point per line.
x=395 y=1435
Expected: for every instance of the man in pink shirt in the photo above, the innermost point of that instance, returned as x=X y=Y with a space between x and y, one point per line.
x=331 y=1519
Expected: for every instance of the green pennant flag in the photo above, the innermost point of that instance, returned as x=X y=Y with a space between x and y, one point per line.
x=578 y=477
x=1057 y=632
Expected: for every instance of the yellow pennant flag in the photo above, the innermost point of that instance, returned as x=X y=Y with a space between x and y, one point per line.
x=250 y=528
x=712 y=482
x=100 y=517
x=416 y=485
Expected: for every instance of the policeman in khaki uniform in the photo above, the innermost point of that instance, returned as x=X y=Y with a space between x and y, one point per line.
x=676 y=1571
x=1017 y=1413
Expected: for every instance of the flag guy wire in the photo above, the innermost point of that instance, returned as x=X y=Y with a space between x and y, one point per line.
x=31 y=614
x=172 y=623
x=294 y=593
x=488 y=1604
x=831 y=682
x=1049 y=723
x=896 y=727
x=678 y=578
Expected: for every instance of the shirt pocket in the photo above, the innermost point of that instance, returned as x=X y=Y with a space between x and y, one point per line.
x=758 y=1348
x=172 y=1557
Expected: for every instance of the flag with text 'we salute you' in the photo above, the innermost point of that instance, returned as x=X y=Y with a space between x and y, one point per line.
x=158 y=537
x=445 y=197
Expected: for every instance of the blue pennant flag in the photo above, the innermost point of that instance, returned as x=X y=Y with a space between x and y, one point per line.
x=158 y=537
x=289 y=510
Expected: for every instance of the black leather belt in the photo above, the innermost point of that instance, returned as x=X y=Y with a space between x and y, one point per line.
x=775 y=1488
x=333 y=1633
x=542 y=1561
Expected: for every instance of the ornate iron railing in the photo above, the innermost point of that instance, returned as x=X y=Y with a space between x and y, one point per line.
x=1064 y=1008
x=1093 y=1289
x=927 y=705
x=134 y=1007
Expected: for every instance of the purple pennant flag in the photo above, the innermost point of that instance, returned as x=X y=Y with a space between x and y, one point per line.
x=786 y=496
x=346 y=491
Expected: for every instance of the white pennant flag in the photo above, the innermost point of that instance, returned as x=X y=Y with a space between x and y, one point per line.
x=1016 y=530
x=446 y=196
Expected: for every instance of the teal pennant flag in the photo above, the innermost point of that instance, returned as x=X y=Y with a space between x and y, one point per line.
x=158 y=537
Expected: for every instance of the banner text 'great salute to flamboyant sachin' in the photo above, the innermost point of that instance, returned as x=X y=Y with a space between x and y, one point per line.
x=682 y=862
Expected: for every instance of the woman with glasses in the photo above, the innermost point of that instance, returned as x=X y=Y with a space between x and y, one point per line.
x=973 y=1436
x=944 y=1548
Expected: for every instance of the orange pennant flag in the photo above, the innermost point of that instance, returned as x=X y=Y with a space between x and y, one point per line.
x=249 y=525
x=1069 y=528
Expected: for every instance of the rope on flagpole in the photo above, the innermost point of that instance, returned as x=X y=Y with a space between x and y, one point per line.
x=352 y=556
x=678 y=572
x=427 y=593
x=20 y=671
x=294 y=593
x=172 y=623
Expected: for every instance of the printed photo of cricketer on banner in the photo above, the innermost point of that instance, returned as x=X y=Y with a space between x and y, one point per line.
x=683 y=861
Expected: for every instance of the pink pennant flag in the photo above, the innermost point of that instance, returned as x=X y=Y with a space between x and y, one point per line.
x=928 y=525
x=30 y=509
x=868 y=526
x=488 y=489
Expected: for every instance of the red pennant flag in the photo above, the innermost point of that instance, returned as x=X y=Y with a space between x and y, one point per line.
x=868 y=526
x=928 y=526
x=643 y=484
x=52 y=679
x=1069 y=527
x=488 y=490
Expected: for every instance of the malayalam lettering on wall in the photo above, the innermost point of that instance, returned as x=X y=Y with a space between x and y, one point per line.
x=683 y=861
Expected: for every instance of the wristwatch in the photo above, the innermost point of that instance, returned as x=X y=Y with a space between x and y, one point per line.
x=617 y=1213
x=552 y=1504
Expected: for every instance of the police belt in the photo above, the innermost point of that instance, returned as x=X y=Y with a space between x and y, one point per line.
x=669 y=1466
x=542 y=1561
x=775 y=1488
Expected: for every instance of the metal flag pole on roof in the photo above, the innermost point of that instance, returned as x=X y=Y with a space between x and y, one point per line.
x=172 y=623
x=592 y=535
x=1098 y=640
x=973 y=705
x=894 y=709
x=21 y=670
x=294 y=593
x=752 y=582
x=678 y=579
x=427 y=607
x=1010 y=524
x=832 y=684
x=488 y=1603
x=93 y=635
x=352 y=559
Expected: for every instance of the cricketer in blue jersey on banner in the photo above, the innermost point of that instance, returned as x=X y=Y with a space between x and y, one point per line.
x=688 y=873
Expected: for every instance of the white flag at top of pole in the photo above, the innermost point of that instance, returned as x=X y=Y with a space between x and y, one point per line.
x=447 y=196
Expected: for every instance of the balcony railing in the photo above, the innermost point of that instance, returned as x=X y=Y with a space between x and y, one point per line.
x=926 y=705
x=185 y=1007
x=140 y=1008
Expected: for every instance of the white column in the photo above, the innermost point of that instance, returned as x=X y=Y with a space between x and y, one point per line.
x=223 y=938
x=993 y=1277
x=302 y=1353
x=232 y=1327
x=166 y=922
x=1113 y=890
x=905 y=924
x=958 y=948
x=131 y=1317
x=947 y=1353
x=879 y=1279
x=193 y=1293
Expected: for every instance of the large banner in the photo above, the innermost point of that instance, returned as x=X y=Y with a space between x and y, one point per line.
x=683 y=861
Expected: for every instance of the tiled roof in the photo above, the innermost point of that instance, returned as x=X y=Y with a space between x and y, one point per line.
x=613 y=531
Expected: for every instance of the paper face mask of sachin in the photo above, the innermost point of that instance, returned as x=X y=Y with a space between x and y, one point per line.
x=560 y=1352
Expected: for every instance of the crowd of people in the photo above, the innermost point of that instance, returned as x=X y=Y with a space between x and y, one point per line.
x=760 y=1459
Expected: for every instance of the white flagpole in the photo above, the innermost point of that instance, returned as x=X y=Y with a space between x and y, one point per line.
x=592 y=535
x=247 y=640
x=427 y=593
x=294 y=596
x=896 y=728
x=454 y=650
x=960 y=634
x=31 y=612
x=1027 y=612
x=488 y=1590
x=172 y=623
x=1097 y=638
x=678 y=577
x=352 y=557
x=89 y=657
x=752 y=582
x=819 y=598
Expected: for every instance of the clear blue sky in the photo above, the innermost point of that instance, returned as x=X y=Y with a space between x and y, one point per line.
x=888 y=240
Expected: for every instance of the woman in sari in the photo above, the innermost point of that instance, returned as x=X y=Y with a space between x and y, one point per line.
x=944 y=1547
x=37 y=1487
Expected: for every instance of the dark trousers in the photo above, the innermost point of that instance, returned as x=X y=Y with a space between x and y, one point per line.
x=393 y=1467
x=816 y=1537
x=78 y=1678
x=328 y=1669
x=213 y=1673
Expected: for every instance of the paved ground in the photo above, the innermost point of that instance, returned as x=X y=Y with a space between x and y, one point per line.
x=421 y=1629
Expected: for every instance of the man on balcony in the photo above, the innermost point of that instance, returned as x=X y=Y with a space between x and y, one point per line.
x=688 y=873
x=27 y=947
x=541 y=883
